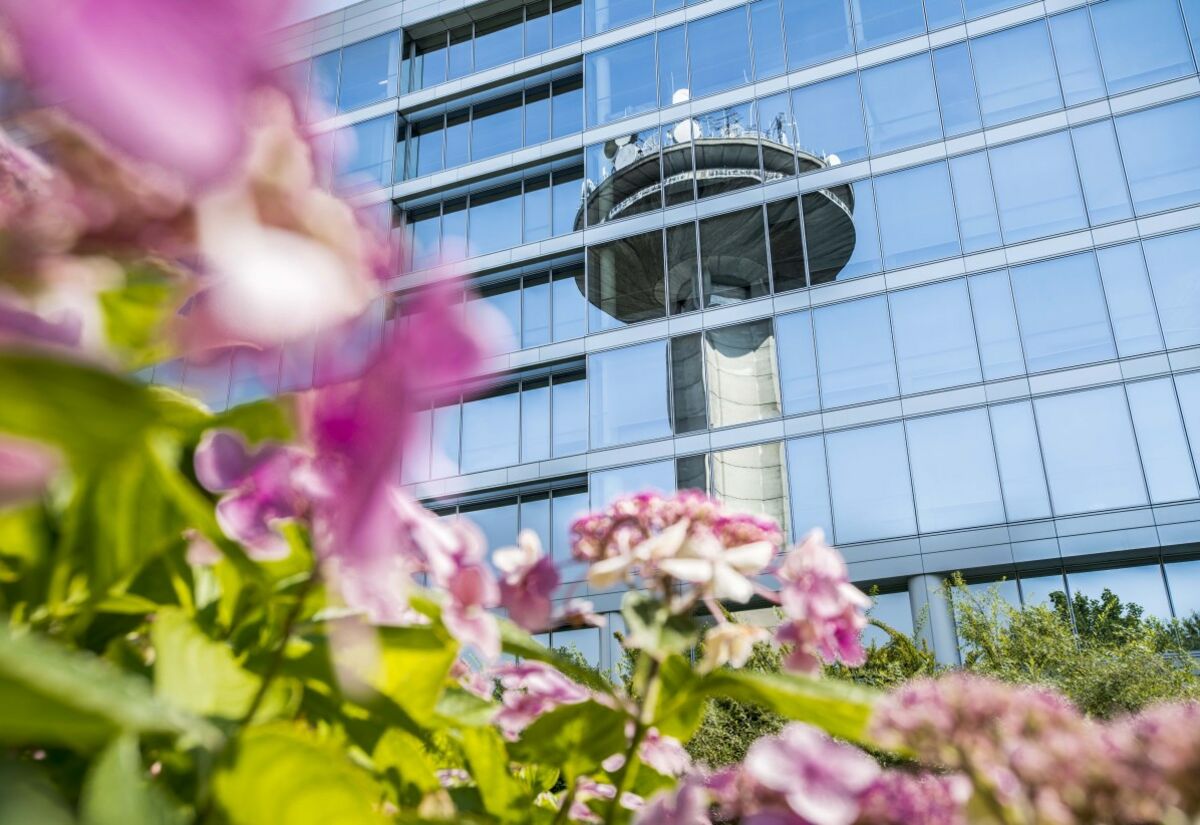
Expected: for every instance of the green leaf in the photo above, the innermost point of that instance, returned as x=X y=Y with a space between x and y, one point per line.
x=26 y=798
x=283 y=773
x=460 y=707
x=271 y=419
x=503 y=794
x=842 y=709
x=53 y=696
x=134 y=315
x=681 y=704
x=117 y=791
x=575 y=738
x=650 y=626
x=402 y=758
x=203 y=676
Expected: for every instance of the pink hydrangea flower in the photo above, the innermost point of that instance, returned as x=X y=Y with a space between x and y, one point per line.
x=901 y=798
x=687 y=804
x=529 y=690
x=25 y=469
x=471 y=591
x=528 y=579
x=664 y=754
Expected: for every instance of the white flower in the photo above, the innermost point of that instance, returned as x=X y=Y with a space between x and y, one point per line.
x=514 y=561
x=705 y=561
x=730 y=644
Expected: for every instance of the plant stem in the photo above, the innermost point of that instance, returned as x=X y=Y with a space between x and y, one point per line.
x=564 y=810
x=276 y=661
x=641 y=727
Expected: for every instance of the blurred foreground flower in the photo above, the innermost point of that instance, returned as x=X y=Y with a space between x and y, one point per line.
x=25 y=469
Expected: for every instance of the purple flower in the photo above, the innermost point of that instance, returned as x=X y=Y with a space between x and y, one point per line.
x=664 y=754
x=687 y=804
x=527 y=581
x=25 y=469
x=531 y=689
x=470 y=587
x=901 y=798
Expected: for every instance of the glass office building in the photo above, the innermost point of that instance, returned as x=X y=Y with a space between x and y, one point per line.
x=923 y=274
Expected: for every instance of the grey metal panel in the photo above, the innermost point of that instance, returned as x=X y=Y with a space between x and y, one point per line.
x=1029 y=530
x=871 y=570
x=1099 y=522
x=960 y=539
x=1133 y=539
x=1182 y=533
x=1032 y=552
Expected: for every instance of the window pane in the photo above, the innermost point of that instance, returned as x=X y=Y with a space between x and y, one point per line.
x=767 y=33
x=854 y=351
x=414 y=463
x=1091 y=459
x=629 y=394
x=894 y=610
x=535 y=421
x=1020 y=460
x=1037 y=590
x=535 y=311
x=1130 y=302
x=916 y=216
x=1061 y=309
x=956 y=89
x=901 y=104
x=733 y=257
x=426 y=233
x=940 y=13
x=673 y=84
x=975 y=202
x=996 y=325
x=739 y=167
x=429 y=61
x=611 y=196
x=425 y=148
x=585 y=641
x=935 y=339
x=495 y=220
x=537 y=209
x=656 y=476
x=740 y=370
x=567 y=200
x=817 y=30
x=496 y=128
x=1188 y=387
x=676 y=140
x=787 y=245
x=323 y=84
x=1183 y=577
x=979 y=8
x=829 y=120
x=369 y=71
x=868 y=474
x=570 y=306
x=797 y=362
x=1172 y=260
x=490 y=426
x=688 y=396
x=537 y=27
x=1141 y=585
x=1078 y=64
x=808 y=485
x=1141 y=42
x=954 y=471
x=841 y=233
x=683 y=274
x=720 y=49
x=883 y=21
x=1037 y=188
x=777 y=132
x=458 y=138
x=567 y=107
x=497 y=522
x=1161 y=150
x=570 y=415
x=447 y=425
x=537 y=116
x=498 y=40
x=535 y=516
x=1100 y=171
x=1016 y=74
x=619 y=81
x=564 y=509
x=750 y=480
x=1161 y=440
x=460 y=58
x=363 y=154
x=602 y=15
x=454 y=230
x=625 y=281
x=502 y=301
x=567 y=22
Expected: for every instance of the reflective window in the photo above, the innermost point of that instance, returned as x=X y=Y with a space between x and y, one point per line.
x=1060 y=305
x=602 y=15
x=1037 y=188
x=425 y=229
x=1020 y=460
x=1078 y=63
x=1183 y=577
x=567 y=21
x=673 y=84
x=1141 y=585
x=939 y=13
x=1161 y=440
x=569 y=305
x=490 y=431
x=720 y=49
x=1091 y=458
x=362 y=154
x=979 y=8
x=1161 y=149
x=996 y=325
x=565 y=507
x=868 y=476
x=683 y=269
x=323 y=84
x=736 y=122
x=461 y=56
x=751 y=480
x=954 y=471
x=808 y=485
x=584 y=640
x=566 y=195
x=1016 y=73
x=425 y=148
x=1188 y=387
x=829 y=120
x=854 y=352
x=625 y=281
x=429 y=60
x=1141 y=42
x=817 y=30
x=974 y=201
x=900 y=103
x=569 y=415
x=956 y=89
x=617 y=83
x=1130 y=302
x=689 y=401
x=797 y=363
x=916 y=216
x=882 y=21
x=935 y=339
x=629 y=394
x=1100 y=171
x=535 y=420
x=499 y=301
x=495 y=219
x=733 y=257
x=458 y=138
x=740 y=373
x=414 y=462
x=1037 y=590
x=1172 y=260
x=787 y=245
x=497 y=127
x=496 y=520
x=611 y=197
x=447 y=423
x=370 y=71
x=537 y=208
x=537 y=115
x=566 y=107
x=498 y=40
x=893 y=610
x=606 y=485
x=537 y=27
x=828 y=236
x=767 y=35
x=535 y=515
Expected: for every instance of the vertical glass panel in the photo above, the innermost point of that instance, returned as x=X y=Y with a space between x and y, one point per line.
x=495 y=219
x=689 y=400
x=607 y=485
x=678 y=168
x=691 y=472
x=683 y=274
x=1141 y=585
x=567 y=21
x=535 y=420
x=537 y=27
x=787 y=245
x=777 y=134
x=636 y=157
x=535 y=516
x=1100 y=171
x=496 y=128
x=751 y=480
x=429 y=60
x=323 y=85
x=570 y=306
x=454 y=229
x=490 y=428
x=625 y=281
x=458 y=138
x=447 y=426
x=1130 y=302
x=425 y=148
x=1038 y=590
x=935 y=339
x=1016 y=73
x=1091 y=458
x=1141 y=42
x=1078 y=64
x=1037 y=188
x=733 y=257
x=808 y=485
x=1191 y=13
x=537 y=116
x=369 y=71
x=602 y=15
x=868 y=477
x=941 y=13
x=496 y=520
x=797 y=363
x=829 y=120
x=567 y=200
x=956 y=90
x=1020 y=459
x=569 y=434
x=584 y=640
x=1188 y=387
x=900 y=103
x=883 y=21
x=817 y=30
x=738 y=160
x=1060 y=305
x=426 y=232
x=565 y=507
x=461 y=57
x=363 y=154
x=1161 y=440
x=719 y=46
x=954 y=471
x=767 y=33
x=916 y=216
x=894 y=610
x=251 y=379
x=414 y=461
x=618 y=81
x=629 y=394
x=841 y=233
x=673 y=66
x=537 y=208
x=975 y=202
x=740 y=371
x=498 y=40
x=996 y=325
x=1161 y=150
x=1175 y=276
x=854 y=352
x=535 y=311
x=1183 y=577
x=567 y=107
